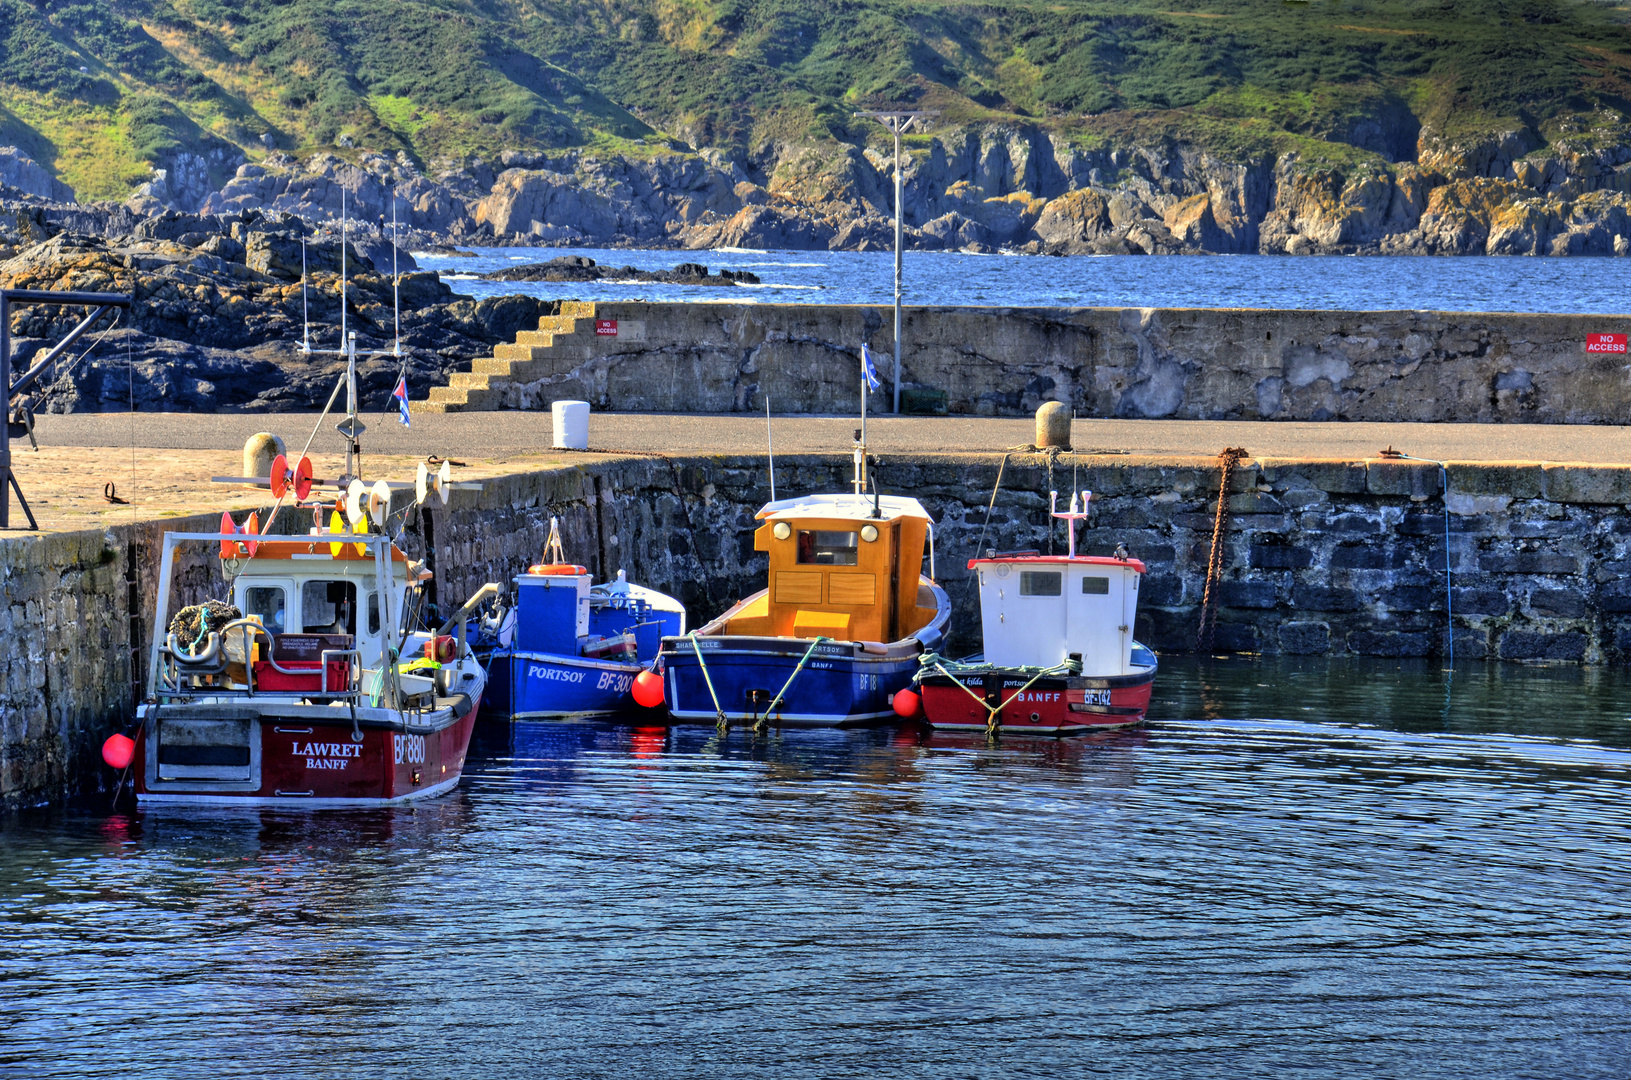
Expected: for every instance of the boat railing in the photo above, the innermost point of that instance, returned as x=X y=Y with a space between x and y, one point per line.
x=179 y=669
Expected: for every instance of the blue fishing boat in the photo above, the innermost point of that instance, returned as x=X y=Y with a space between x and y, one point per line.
x=836 y=633
x=570 y=647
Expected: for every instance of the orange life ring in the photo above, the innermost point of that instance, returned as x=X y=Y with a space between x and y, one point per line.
x=557 y=568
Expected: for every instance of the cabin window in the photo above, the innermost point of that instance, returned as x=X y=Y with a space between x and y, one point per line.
x=373 y=613
x=820 y=547
x=1096 y=586
x=1041 y=583
x=328 y=607
x=269 y=602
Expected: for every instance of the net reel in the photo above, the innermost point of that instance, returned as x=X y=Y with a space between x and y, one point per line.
x=439 y=482
x=299 y=478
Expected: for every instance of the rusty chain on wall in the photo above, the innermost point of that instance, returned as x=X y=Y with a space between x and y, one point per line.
x=1227 y=460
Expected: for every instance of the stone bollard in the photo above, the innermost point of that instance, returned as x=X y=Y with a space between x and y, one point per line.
x=1053 y=426
x=259 y=450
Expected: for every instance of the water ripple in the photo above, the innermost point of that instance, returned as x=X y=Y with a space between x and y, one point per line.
x=1350 y=895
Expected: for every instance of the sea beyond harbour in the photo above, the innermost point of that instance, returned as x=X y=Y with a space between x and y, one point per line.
x=1574 y=285
x=1299 y=868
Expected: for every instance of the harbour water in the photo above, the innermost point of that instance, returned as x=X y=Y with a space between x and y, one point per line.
x=1300 y=868
x=1361 y=283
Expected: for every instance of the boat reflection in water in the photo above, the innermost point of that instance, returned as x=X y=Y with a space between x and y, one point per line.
x=1195 y=898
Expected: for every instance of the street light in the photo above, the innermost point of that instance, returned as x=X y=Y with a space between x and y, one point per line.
x=898 y=121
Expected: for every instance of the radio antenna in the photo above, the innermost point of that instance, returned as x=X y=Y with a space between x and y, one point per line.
x=770 y=450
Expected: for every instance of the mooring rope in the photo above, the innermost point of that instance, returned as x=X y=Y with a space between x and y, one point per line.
x=720 y=722
x=992 y=726
x=763 y=722
x=980 y=546
x=1227 y=461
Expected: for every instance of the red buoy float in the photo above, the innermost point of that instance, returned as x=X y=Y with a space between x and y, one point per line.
x=907 y=704
x=118 y=751
x=562 y=568
x=648 y=689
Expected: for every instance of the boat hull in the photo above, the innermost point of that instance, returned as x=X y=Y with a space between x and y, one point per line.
x=1055 y=705
x=298 y=755
x=545 y=686
x=840 y=685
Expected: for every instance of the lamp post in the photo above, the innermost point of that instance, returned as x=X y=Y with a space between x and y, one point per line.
x=898 y=121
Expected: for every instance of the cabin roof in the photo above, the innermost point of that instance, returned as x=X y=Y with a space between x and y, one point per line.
x=1078 y=560
x=855 y=507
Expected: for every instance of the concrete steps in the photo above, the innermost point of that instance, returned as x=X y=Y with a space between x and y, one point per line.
x=560 y=343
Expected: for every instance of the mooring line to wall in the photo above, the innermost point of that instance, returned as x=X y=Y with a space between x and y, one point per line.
x=1227 y=460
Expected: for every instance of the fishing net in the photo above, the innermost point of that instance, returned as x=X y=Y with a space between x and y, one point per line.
x=193 y=625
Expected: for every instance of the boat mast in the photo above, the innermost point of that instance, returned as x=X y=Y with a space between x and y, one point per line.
x=1072 y=516
x=859 y=482
x=396 y=285
x=305 y=304
x=770 y=450
x=343 y=242
x=351 y=427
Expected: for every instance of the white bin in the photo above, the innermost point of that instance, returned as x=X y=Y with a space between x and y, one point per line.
x=571 y=424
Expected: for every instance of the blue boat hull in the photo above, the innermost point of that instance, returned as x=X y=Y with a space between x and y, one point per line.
x=539 y=686
x=835 y=688
x=842 y=684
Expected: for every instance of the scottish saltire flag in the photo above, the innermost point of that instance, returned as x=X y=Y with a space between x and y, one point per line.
x=869 y=370
x=401 y=395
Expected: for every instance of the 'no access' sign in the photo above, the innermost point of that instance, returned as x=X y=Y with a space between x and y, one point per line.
x=1611 y=343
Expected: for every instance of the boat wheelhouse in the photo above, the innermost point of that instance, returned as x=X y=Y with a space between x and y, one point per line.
x=296 y=691
x=1059 y=659
x=837 y=631
x=573 y=648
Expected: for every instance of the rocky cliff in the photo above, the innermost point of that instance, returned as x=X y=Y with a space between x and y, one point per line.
x=993 y=187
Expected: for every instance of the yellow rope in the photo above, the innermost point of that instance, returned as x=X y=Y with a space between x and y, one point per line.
x=992 y=727
x=763 y=722
x=720 y=721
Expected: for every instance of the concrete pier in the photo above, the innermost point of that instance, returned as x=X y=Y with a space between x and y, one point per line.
x=1330 y=547
x=1147 y=363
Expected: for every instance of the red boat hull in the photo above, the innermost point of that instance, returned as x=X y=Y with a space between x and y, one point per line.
x=1054 y=705
x=303 y=760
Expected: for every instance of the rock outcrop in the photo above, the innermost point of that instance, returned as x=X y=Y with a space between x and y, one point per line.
x=24 y=174
x=1016 y=188
x=583 y=268
x=219 y=319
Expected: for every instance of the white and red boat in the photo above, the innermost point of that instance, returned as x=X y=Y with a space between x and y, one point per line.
x=302 y=689
x=1059 y=657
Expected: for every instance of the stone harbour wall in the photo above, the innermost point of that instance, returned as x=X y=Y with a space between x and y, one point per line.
x=1332 y=557
x=1180 y=363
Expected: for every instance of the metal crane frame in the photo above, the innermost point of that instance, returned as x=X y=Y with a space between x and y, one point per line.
x=100 y=303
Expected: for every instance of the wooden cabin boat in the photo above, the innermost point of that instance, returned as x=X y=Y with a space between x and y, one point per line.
x=836 y=633
x=572 y=648
x=309 y=694
x=1059 y=657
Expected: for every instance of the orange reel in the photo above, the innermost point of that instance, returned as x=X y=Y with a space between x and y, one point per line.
x=234 y=548
x=283 y=478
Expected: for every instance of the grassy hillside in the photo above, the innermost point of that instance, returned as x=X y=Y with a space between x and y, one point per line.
x=102 y=90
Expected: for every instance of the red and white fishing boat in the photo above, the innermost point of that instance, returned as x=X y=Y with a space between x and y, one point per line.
x=308 y=693
x=1059 y=657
